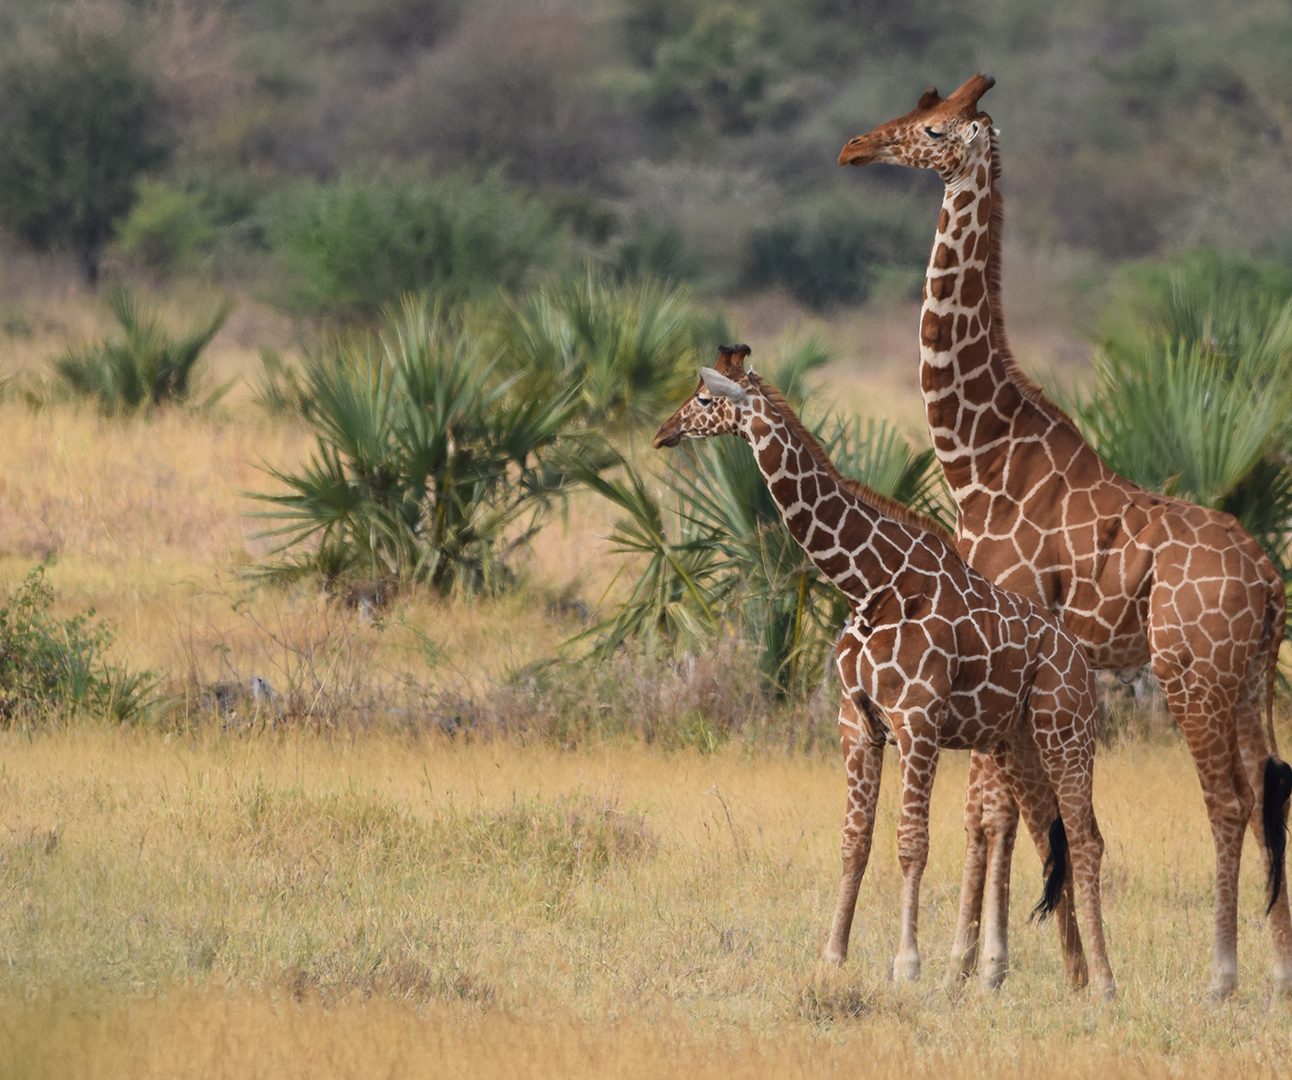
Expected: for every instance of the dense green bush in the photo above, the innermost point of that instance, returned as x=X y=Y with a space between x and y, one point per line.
x=79 y=122
x=626 y=350
x=281 y=388
x=352 y=246
x=146 y=366
x=427 y=467
x=169 y=229
x=717 y=553
x=1194 y=390
x=52 y=667
x=713 y=68
x=833 y=251
x=653 y=249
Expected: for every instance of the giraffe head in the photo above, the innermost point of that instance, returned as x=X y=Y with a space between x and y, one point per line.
x=715 y=407
x=939 y=134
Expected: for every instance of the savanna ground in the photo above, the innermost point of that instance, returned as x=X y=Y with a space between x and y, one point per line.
x=374 y=900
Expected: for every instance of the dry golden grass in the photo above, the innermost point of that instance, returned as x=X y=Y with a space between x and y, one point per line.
x=148 y=522
x=305 y=906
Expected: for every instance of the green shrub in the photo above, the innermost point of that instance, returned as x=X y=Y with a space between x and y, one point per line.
x=426 y=467
x=144 y=368
x=281 y=389
x=52 y=667
x=626 y=350
x=730 y=560
x=834 y=251
x=653 y=249
x=354 y=245
x=1194 y=391
x=712 y=69
x=79 y=122
x=170 y=228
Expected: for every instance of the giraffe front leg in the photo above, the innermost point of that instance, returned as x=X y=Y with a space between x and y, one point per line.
x=964 y=946
x=919 y=756
x=864 y=763
x=1000 y=823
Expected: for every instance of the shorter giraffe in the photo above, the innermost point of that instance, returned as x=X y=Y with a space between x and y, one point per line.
x=933 y=656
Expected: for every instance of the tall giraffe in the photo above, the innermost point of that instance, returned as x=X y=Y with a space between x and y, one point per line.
x=933 y=655
x=1137 y=577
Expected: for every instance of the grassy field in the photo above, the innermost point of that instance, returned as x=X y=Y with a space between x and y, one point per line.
x=295 y=905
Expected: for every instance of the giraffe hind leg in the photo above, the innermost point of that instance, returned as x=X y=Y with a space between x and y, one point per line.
x=1031 y=788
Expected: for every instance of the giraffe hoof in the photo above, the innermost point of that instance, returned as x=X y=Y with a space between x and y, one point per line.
x=993 y=973
x=1222 y=986
x=906 y=969
x=1105 y=991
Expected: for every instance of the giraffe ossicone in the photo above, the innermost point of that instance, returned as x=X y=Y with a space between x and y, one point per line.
x=933 y=656
x=1137 y=577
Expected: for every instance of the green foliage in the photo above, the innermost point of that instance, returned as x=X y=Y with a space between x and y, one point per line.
x=79 y=121
x=427 y=467
x=732 y=561
x=1194 y=392
x=716 y=73
x=653 y=249
x=834 y=251
x=146 y=367
x=52 y=667
x=281 y=389
x=627 y=350
x=170 y=228
x=354 y=245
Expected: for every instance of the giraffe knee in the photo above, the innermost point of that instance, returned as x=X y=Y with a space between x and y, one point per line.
x=1000 y=822
x=912 y=851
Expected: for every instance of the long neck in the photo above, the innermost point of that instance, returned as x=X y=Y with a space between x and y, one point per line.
x=850 y=539
x=969 y=398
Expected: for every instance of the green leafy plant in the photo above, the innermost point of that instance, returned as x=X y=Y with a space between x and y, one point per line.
x=1193 y=394
x=281 y=389
x=837 y=249
x=353 y=245
x=428 y=465
x=52 y=667
x=146 y=367
x=627 y=349
x=79 y=122
x=170 y=228
x=715 y=553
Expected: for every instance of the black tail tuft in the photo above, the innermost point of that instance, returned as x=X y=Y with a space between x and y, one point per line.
x=1278 y=788
x=1056 y=871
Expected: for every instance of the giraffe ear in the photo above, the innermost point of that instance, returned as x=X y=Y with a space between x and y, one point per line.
x=972 y=131
x=720 y=386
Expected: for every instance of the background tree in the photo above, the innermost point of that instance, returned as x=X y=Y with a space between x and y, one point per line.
x=79 y=123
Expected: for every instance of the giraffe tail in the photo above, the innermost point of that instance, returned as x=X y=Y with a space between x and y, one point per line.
x=1278 y=789
x=1056 y=872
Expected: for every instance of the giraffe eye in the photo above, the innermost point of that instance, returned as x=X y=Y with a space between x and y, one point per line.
x=933 y=134
x=705 y=401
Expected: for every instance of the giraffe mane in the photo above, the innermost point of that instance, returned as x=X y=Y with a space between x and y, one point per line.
x=882 y=503
x=1027 y=386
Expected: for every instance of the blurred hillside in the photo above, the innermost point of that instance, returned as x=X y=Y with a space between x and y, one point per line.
x=325 y=155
